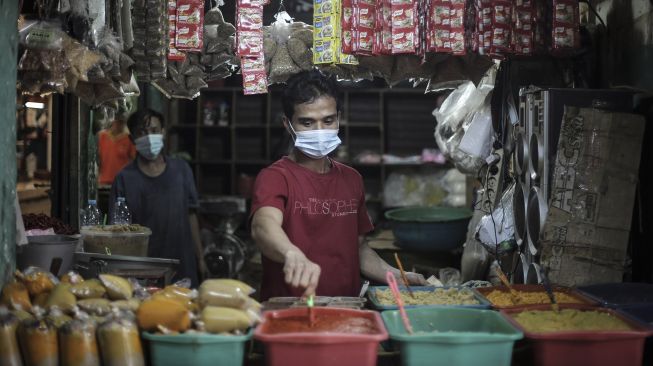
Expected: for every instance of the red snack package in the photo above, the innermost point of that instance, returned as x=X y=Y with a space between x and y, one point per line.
x=366 y=15
x=403 y=16
x=524 y=18
x=440 y=13
x=501 y=12
x=523 y=41
x=254 y=77
x=565 y=12
x=440 y=40
x=457 y=16
x=249 y=18
x=565 y=34
x=190 y=25
x=500 y=39
x=458 y=41
x=364 y=44
x=250 y=43
x=564 y=37
x=173 y=53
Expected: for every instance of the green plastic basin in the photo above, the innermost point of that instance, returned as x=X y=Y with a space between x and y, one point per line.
x=429 y=228
x=452 y=337
x=197 y=349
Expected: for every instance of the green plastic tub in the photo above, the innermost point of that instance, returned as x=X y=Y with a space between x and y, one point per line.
x=452 y=337
x=197 y=349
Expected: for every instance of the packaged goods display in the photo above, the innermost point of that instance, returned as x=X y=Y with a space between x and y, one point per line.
x=79 y=324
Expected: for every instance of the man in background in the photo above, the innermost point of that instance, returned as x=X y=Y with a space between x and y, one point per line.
x=160 y=193
x=115 y=150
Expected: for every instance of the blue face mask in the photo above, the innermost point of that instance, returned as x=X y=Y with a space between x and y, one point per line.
x=149 y=146
x=316 y=144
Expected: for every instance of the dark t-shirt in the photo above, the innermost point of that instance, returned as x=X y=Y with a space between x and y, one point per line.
x=162 y=204
x=323 y=215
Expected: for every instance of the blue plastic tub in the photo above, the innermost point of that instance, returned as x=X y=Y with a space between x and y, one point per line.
x=372 y=295
x=618 y=295
x=452 y=337
x=197 y=349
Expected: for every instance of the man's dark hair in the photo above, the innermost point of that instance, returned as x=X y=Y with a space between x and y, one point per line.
x=305 y=87
x=141 y=118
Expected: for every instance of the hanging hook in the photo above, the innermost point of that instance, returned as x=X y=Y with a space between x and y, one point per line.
x=281 y=7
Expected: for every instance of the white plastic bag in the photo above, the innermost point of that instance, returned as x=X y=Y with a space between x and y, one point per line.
x=466 y=106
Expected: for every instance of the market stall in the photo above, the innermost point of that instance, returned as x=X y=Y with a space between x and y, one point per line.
x=493 y=207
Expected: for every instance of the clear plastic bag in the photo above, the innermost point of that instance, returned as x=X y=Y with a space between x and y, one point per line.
x=455 y=116
x=496 y=231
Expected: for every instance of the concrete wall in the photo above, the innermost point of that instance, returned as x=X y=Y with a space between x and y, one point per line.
x=628 y=44
x=8 y=45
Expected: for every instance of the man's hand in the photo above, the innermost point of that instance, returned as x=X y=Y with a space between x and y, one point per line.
x=416 y=279
x=301 y=272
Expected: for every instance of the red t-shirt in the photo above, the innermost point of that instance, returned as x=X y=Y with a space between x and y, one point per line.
x=115 y=152
x=323 y=215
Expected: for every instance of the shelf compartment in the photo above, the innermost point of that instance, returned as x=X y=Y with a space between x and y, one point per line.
x=409 y=123
x=251 y=110
x=250 y=145
x=363 y=139
x=364 y=108
x=214 y=144
x=182 y=113
x=181 y=141
x=215 y=179
x=216 y=108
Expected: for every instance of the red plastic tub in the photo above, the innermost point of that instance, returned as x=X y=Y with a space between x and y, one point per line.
x=316 y=347
x=573 y=348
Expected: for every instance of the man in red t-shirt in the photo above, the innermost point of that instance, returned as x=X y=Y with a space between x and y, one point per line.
x=308 y=211
x=115 y=150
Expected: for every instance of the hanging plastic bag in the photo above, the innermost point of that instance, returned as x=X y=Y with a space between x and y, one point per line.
x=282 y=65
x=496 y=231
x=464 y=105
x=42 y=65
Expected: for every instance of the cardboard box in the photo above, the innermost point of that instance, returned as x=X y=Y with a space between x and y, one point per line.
x=585 y=236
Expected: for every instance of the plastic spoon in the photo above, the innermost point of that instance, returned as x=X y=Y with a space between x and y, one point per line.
x=392 y=282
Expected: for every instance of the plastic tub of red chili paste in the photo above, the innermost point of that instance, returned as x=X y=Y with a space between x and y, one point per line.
x=336 y=336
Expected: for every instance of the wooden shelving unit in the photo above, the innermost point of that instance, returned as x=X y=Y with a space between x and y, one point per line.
x=381 y=120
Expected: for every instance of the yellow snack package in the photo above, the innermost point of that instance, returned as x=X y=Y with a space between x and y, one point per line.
x=117 y=287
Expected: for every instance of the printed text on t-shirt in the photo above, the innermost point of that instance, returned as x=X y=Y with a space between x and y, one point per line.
x=328 y=206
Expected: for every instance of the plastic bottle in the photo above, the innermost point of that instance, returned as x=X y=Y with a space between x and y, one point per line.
x=91 y=214
x=121 y=214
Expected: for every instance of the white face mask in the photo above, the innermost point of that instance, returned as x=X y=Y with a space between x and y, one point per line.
x=149 y=146
x=316 y=144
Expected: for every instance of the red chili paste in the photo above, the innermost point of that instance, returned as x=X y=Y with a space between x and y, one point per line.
x=322 y=323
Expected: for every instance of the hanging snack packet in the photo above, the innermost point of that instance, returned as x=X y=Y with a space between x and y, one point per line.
x=190 y=25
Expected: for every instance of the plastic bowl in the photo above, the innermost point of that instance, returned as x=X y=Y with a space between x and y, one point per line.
x=429 y=228
x=134 y=243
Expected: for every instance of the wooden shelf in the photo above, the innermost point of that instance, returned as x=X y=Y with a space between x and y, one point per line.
x=396 y=121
